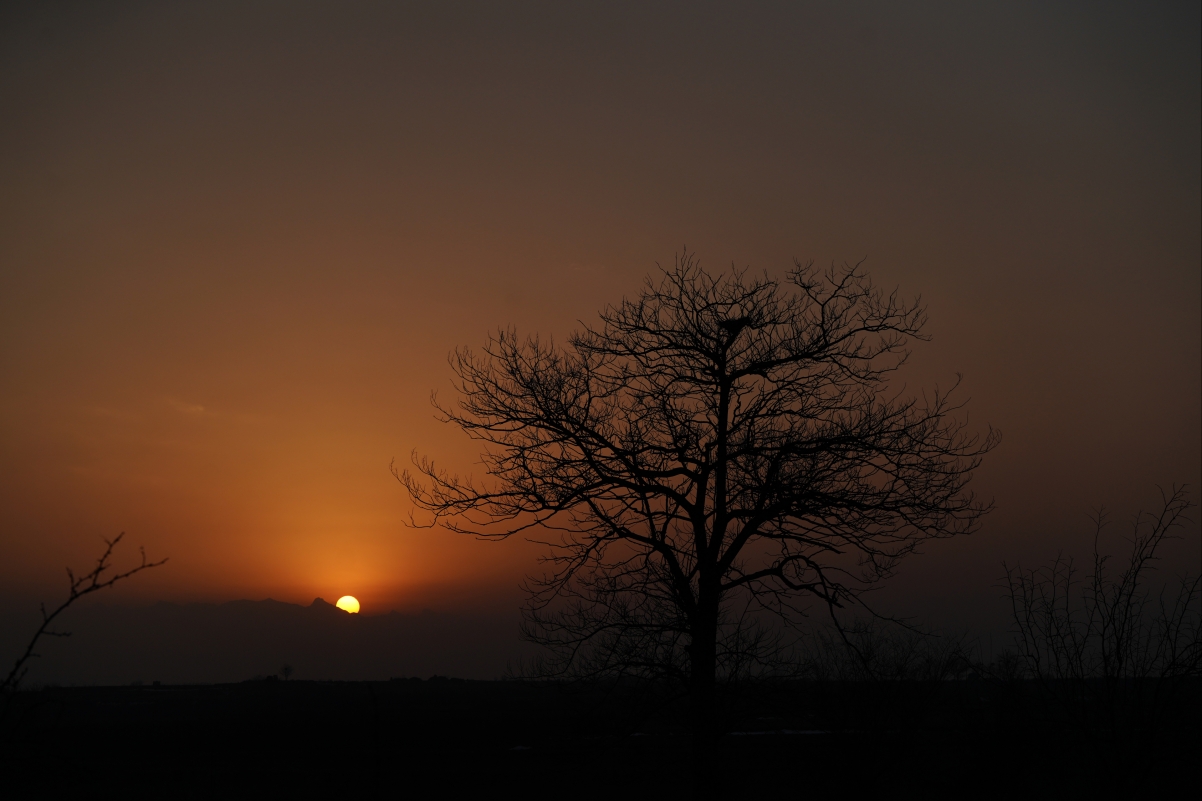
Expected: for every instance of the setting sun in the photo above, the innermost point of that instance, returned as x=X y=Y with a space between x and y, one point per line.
x=348 y=603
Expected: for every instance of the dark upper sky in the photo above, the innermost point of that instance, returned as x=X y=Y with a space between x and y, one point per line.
x=237 y=241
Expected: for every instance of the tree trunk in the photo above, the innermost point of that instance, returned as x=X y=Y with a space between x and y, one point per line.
x=703 y=706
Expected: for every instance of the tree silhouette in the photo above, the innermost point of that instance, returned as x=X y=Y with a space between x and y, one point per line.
x=1113 y=652
x=90 y=582
x=718 y=447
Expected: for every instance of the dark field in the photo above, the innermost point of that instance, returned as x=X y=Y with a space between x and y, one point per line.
x=415 y=738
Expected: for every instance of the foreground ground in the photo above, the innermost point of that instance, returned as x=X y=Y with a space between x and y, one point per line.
x=421 y=739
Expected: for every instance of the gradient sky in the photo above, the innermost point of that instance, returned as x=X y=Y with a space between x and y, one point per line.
x=238 y=240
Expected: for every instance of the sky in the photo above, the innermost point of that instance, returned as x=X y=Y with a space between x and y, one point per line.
x=238 y=241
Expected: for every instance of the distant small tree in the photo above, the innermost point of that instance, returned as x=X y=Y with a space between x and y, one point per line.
x=717 y=447
x=1110 y=648
x=88 y=583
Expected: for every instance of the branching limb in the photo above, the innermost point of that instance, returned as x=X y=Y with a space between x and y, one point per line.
x=80 y=586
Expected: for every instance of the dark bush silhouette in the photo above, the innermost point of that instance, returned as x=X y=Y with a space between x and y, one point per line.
x=1109 y=650
x=875 y=649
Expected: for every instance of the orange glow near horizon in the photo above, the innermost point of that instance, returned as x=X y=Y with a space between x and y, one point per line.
x=237 y=245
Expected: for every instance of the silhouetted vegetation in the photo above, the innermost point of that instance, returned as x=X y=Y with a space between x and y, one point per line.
x=1112 y=652
x=1101 y=691
x=86 y=584
x=717 y=449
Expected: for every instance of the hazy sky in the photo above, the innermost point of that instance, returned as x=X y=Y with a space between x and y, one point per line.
x=238 y=240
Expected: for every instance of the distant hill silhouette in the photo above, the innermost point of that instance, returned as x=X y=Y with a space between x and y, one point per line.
x=201 y=643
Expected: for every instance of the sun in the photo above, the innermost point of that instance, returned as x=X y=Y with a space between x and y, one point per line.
x=348 y=603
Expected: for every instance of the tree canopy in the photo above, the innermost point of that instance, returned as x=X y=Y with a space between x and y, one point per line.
x=718 y=443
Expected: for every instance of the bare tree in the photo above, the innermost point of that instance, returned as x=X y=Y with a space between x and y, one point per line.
x=719 y=447
x=86 y=584
x=1112 y=650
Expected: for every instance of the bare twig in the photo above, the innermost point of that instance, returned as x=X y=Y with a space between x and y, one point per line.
x=82 y=585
